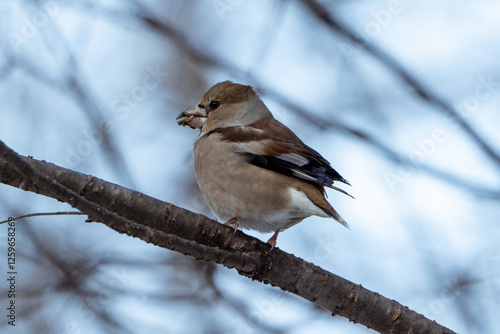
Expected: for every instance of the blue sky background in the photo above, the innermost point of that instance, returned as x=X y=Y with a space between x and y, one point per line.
x=425 y=232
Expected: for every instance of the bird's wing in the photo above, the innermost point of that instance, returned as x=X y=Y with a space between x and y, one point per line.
x=269 y=144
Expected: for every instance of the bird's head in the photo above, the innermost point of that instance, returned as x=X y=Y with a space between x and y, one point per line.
x=223 y=105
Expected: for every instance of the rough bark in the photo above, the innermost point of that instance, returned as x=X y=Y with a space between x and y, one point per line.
x=171 y=227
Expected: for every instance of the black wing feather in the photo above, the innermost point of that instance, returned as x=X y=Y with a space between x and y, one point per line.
x=321 y=174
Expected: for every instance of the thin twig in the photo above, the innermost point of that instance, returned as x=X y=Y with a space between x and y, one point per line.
x=43 y=214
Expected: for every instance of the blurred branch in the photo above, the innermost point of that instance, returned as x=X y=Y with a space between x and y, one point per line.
x=72 y=82
x=238 y=306
x=174 y=228
x=73 y=85
x=74 y=273
x=5 y=69
x=145 y=17
x=423 y=92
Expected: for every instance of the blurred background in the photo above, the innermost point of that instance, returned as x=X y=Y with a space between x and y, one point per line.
x=402 y=97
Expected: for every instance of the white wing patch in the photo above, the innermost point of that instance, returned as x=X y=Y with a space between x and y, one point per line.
x=294 y=159
x=254 y=147
x=304 y=176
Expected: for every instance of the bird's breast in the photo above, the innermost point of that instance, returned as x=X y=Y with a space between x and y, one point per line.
x=234 y=188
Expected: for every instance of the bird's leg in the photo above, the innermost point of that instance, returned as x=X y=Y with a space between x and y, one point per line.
x=233 y=222
x=272 y=240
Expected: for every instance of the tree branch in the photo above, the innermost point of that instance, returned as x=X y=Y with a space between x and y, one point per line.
x=174 y=228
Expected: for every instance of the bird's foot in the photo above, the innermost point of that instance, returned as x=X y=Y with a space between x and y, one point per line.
x=272 y=240
x=233 y=223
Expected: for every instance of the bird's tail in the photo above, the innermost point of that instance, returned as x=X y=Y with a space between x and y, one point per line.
x=332 y=213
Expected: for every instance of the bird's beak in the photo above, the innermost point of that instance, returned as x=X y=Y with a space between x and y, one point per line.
x=193 y=117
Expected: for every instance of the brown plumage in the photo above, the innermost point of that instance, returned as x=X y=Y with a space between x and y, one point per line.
x=251 y=168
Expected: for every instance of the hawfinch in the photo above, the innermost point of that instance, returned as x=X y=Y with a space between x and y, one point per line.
x=253 y=171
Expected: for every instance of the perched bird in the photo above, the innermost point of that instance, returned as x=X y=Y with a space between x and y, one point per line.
x=253 y=171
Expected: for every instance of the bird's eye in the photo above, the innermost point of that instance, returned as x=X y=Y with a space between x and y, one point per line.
x=214 y=104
